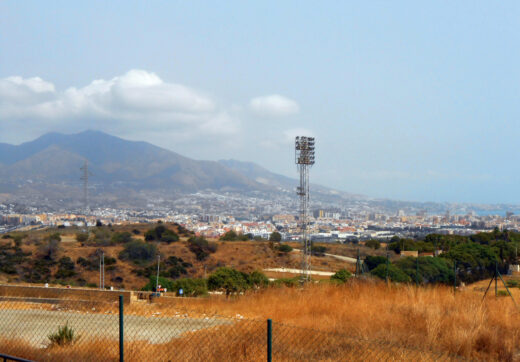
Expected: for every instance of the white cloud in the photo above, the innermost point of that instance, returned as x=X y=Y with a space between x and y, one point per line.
x=138 y=100
x=274 y=105
x=285 y=138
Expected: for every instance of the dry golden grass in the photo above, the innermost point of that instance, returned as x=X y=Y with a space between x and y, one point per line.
x=356 y=321
x=431 y=317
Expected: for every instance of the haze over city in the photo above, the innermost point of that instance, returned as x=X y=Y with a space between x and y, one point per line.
x=407 y=100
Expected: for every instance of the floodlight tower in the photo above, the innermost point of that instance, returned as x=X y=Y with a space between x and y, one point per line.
x=304 y=147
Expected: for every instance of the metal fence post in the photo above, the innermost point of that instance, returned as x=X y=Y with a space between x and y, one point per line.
x=387 y=259
x=121 y=330
x=455 y=276
x=269 y=340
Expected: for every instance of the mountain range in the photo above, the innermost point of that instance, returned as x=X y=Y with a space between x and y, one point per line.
x=53 y=161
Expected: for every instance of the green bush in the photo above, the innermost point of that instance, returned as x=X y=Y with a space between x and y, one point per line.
x=138 y=252
x=394 y=273
x=341 y=276
x=121 y=238
x=201 y=247
x=81 y=237
x=228 y=280
x=373 y=261
x=318 y=250
x=65 y=268
x=512 y=283
x=160 y=233
x=65 y=336
x=284 y=248
x=257 y=279
x=372 y=243
x=431 y=270
x=286 y=282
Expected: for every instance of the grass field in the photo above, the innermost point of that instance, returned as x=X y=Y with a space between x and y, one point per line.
x=423 y=319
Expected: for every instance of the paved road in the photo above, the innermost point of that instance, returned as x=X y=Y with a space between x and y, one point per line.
x=340 y=257
x=34 y=326
x=298 y=271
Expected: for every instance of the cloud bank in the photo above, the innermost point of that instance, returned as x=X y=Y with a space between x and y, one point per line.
x=274 y=105
x=140 y=105
x=137 y=100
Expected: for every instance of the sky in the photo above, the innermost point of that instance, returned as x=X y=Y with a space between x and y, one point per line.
x=408 y=100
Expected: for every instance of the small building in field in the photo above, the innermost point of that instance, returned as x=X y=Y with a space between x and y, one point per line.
x=405 y=253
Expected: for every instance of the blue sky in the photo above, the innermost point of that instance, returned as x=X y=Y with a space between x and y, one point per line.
x=407 y=100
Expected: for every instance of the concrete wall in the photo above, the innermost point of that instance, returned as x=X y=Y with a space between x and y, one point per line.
x=64 y=293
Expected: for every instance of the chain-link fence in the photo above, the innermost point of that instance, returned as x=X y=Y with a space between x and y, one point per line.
x=61 y=330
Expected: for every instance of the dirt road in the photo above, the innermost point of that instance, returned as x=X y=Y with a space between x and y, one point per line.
x=34 y=326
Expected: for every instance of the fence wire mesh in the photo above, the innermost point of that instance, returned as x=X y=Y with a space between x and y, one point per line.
x=67 y=330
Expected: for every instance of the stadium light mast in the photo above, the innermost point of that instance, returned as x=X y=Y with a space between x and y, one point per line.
x=304 y=157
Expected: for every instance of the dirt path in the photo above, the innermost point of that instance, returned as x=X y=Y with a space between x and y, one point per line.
x=35 y=326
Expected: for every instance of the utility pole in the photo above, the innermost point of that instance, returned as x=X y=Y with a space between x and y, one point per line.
x=157 y=280
x=102 y=270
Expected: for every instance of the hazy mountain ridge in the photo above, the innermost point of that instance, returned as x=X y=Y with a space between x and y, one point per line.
x=55 y=158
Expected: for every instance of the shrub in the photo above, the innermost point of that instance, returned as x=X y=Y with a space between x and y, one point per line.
x=512 y=283
x=81 y=237
x=287 y=282
x=201 y=247
x=394 y=273
x=160 y=233
x=120 y=238
x=65 y=336
x=191 y=287
x=341 y=276
x=136 y=232
x=257 y=279
x=372 y=243
x=172 y=268
x=284 y=248
x=228 y=280
x=431 y=270
x=373 y=261
x=65 y=268
x=318 y=250
x=138 y=252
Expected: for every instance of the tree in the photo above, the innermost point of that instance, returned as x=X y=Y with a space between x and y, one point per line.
x=275 y=236
x=341 y=276
x=228 y=280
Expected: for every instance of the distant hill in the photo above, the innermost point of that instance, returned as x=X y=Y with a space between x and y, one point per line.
x=271 y=179
x=56 y=158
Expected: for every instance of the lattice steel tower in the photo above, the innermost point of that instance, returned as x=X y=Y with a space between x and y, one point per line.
x=304 y=147
x=84 y=178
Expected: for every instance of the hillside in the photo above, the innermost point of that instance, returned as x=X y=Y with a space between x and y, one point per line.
x=29 y=261
x=56 y=158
